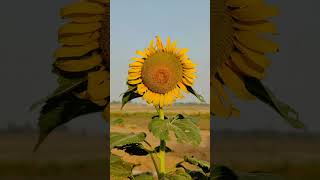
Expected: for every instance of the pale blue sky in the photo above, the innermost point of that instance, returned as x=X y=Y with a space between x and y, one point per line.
x=135 y=23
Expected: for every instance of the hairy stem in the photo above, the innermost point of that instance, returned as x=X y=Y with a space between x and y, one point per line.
x=162 y=153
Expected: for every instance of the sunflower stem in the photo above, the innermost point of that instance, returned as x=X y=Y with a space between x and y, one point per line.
x=162 y=152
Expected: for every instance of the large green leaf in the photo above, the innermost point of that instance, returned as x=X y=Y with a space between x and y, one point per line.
x=121 y=139
x=120 y=168
x=160 y=128
x=66 y=85
x=185 y=129
x=255 y=87
x=59 y=111
x=177 y=175
x=204 y=165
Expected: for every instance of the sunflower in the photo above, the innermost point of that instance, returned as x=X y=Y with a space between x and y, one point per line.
x=239 y=49
x=162 y=73
x=85 y=47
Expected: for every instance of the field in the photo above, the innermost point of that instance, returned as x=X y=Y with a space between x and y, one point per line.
x=62 y=156
x=137 y=118
x=291 y=156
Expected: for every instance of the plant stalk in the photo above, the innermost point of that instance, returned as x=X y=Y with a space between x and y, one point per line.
x=162 y=152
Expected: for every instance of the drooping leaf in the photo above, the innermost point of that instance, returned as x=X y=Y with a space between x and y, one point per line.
x=222 y=173
x=177 y=175
x=121 y=139
x=265 y=95
x=143 y=176
x=135 y=149
x=192 y=91
x=196 y=175
x=120 y=168
x=59 y=111
x=129 y=95
x=65 y=86
x=205 y=166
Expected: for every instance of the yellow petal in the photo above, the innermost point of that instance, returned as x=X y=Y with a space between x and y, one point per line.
x=82 y=9
x=187 y=81
x=75 y=51
x=168 y=47
x=183 y=51
x=156 y=99
x=79 y=65
x=134 y=76
x=71 y=29
x=234 y=82
x=138 y=59
x=252 y=41
x=255 y=12
x=89 y=19
x=183 y=87
x=79 y=39
x=142 y=88
x=264 y=27
x=136 y=64
x=159 y=43
x=257 y=58
x=161 y=100
x=243 y=65
x=141 y=53
x=132 y=70
x=134 y=81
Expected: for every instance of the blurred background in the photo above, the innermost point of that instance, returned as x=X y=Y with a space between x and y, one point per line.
x=76 y=150
x=260 y=140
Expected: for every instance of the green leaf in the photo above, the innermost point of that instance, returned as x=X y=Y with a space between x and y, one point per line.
x=143 y=176
x=255 y=87
x=117 y=122
x=129 y=95
x=197 y=175
x=204 y=165
x=177 y=175
x=135 y=149
x=222 y=173
x=192 y=91
x=59 y=111
x=186 y=131
x=66 y=85
x=159 y=128
x=120 y=168
x=121 y=139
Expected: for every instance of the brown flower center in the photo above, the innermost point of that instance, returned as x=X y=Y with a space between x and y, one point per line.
x=161 y=72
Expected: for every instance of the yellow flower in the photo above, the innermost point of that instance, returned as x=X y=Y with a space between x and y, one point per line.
x=238 y=49
x=161 y=73
x=85 y=47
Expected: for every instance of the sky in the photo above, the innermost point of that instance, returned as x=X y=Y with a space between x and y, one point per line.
x=29 y=38
x=135 y=23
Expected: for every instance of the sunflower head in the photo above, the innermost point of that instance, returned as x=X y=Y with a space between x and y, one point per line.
x=161 y=73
